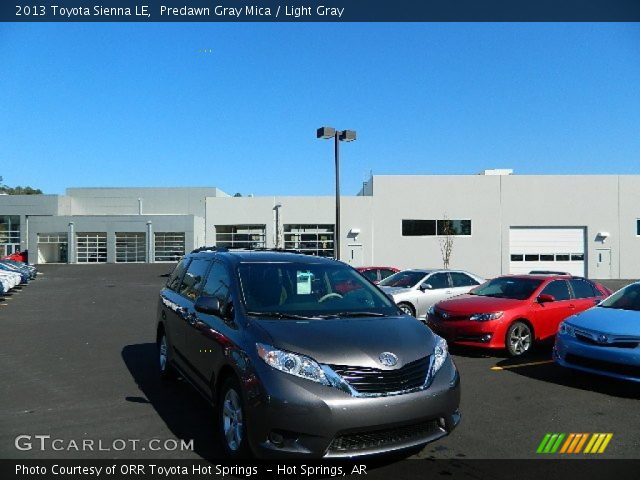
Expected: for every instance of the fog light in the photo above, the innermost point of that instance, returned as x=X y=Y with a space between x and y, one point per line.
x=442 y=423
x=486 y=338
x=276 y=439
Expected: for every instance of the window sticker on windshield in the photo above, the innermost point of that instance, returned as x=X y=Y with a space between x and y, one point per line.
x=303 y=284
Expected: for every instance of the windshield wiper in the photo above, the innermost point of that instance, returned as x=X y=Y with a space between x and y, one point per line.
x=354 y=314
x=282 y=315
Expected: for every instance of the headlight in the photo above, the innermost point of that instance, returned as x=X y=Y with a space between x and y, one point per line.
x=567 y=329
x=432 y=311
x=485 y=317
x=440 y=354
x=292 y=363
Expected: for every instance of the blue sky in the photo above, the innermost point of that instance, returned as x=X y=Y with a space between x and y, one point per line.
x=140 y=105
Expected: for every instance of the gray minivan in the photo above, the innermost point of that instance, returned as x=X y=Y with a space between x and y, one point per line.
x=302 y=356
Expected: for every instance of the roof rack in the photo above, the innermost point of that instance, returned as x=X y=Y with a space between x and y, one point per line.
x=214 y=248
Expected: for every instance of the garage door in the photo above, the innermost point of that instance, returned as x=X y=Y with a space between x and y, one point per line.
x=557 y=249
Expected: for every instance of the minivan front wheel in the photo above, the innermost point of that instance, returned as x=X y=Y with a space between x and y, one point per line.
x=231 y=419
x=519 y=339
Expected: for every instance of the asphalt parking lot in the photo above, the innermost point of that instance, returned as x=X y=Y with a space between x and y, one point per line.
x=78 y=362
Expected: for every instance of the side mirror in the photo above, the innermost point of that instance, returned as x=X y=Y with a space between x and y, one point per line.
x=207 y=305
x=546 y=298
x=426 y=286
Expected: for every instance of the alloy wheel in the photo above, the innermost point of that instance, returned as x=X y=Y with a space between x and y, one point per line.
x=520 y=339
x=163 y=353
x=232 y=420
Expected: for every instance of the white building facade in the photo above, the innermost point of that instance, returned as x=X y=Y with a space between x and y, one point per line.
x=500 y=223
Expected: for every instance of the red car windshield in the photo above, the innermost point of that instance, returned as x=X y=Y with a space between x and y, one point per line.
x=508 y=287
x=626 y=299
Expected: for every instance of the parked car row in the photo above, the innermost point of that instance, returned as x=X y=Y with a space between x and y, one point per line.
x=14 y=273
x=302 y=356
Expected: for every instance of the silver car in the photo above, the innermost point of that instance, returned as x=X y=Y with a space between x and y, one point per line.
x=414 y=291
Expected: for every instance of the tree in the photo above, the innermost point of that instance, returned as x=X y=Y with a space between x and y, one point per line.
x=18 y=190
x=446 y=242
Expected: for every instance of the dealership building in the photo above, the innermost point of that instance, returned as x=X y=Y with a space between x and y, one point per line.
x=499 y=223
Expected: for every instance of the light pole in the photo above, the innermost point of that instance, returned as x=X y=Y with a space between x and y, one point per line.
x=277 y=208
x=338 y=136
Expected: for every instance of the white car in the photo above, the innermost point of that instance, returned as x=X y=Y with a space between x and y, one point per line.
x=414 y=291
x=9 y=280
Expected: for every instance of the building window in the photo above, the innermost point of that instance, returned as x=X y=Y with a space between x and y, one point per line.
x=454 y=227
x=418 y=228
x=168 y=246
x=131 y=247
x=638 y=227
x=240 y=236
x=517 y=257
x=9 y=234
x=429 y=228
x=53 y=247
x=91 y=247
x=310 y=239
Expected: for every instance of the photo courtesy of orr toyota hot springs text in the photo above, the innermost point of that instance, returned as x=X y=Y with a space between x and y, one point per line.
x=314 y=240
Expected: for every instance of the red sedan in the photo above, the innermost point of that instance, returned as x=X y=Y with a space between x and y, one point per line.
x=511 y=312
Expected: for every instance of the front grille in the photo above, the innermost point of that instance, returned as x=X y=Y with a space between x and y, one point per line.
x=373 y=380
x=616 y=343
x=375 y=439
x=446 y=316
x=612 y=367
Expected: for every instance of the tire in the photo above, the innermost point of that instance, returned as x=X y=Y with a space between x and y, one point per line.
x=165 y=369
x=231 y=418
x=519 y=339
x=407 y=308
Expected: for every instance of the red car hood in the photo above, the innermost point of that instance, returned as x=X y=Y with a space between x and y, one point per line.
x=469 y=304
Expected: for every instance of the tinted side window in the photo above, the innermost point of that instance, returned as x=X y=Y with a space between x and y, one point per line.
x=559 y=289
x=176 y=276
x=193 y=279
x=461 y=280
x=384 y=273
x=217 y=284
x=438 y=280
x=371 y=275
x=583 y=289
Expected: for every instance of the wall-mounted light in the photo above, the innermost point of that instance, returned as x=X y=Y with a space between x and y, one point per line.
x=602 y=236
x=354 y=232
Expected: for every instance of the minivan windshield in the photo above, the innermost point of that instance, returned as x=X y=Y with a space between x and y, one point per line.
x=309 y=290
x=626 y=299
x=406 y=279
x=508 y=287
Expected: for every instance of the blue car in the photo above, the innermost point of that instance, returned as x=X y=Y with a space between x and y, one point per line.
x=24 y=274
x=605 y=339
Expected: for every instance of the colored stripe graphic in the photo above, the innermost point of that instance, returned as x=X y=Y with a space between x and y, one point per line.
x=550 y=443
x=573 y=443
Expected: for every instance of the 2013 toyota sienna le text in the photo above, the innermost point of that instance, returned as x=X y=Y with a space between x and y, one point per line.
x=295 y=368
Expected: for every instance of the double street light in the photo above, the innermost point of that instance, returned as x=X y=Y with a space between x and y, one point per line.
x=338 y=136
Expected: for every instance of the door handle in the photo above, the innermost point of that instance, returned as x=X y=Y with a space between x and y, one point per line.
x=572 y=306
x=448 y=292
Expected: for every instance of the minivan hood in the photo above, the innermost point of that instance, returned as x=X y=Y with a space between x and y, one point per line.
x=470 y=304
x=608 y=320
x=352 y=341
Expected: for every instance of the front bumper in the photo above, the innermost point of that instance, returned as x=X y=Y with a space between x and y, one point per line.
x=489 y=334
x=295 y=417
x=615 y=362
